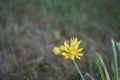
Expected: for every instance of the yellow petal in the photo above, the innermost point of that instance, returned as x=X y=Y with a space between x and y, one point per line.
x=66 y=44
x=79 y=49
x=78 y=57
x=65 y=55
x=72 y=57
x=80 y=54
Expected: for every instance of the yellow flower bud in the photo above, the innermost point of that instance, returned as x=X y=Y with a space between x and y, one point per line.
x=56 y=50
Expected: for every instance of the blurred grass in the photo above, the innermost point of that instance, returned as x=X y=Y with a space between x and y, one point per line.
x=14 y=36
x=73 y=13
x=98 y=19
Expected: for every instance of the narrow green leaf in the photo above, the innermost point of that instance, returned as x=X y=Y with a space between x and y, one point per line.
x=118 y=45
x=100 y=67
x=104 y=67
x=113 y=70
x=115 y=60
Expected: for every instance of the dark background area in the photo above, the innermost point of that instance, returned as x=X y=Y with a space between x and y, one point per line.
x=29 y=29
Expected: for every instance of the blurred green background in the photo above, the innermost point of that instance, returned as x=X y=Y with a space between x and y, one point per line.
x=29 y=29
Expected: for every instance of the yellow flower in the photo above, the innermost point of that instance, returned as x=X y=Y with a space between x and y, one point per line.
x=71 y=50
x=56 y=50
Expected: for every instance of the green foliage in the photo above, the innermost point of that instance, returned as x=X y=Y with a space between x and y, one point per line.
x=13 y=36
x=90 y=17
x=72 y=13
x=118 y=45
x=101 y=71
x=115 y=66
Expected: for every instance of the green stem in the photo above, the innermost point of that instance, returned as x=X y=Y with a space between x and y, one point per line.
x=76 y=66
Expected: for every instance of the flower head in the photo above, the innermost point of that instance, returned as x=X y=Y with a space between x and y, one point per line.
x=56 y=50
x=71 y=50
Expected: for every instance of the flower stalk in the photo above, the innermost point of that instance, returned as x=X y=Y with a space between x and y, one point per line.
x=78 y=70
